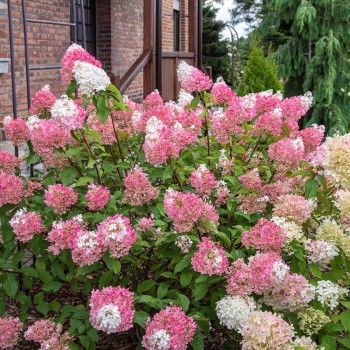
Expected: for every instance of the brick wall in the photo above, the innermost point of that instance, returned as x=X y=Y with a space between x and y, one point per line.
x=46 y=47
x=119 y=28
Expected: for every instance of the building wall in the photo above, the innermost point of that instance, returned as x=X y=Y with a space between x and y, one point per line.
x=119 y=34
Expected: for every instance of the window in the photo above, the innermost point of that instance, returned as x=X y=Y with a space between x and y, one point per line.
x=176 y=17
x=90 y=24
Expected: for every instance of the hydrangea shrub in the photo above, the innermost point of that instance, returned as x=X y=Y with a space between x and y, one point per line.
x=178 y=222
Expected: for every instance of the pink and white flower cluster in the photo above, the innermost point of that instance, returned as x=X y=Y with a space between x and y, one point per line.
x=169 y=329
x=10 y=332
x=111 y=309
x=49 y=335
x=188 y=210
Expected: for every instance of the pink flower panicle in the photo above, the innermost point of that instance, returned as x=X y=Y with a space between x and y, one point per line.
x=186 y=209
x=8 y=162
x=295 y=107
x=251 y=180
x=10 y=330
x=138 y=189
x=238 y=279
x=26 y=224
x=42 y=330
x=152 y=100
x=117 y=234
x=266 y=330
x=203 y=181
x=42 y=101
x=210 y=258
x=287 y=153
x=261 y=271
x=75 y=53
x=60 y=198
x=11 y=189
x=222 y=92
x=97 y=197
x=267 y=101
x=16 y=131
x=57 y=342
x=294 y=293
x=145 y=224
x=270 y=122
x=31 y=187
x=86 y=249
x=46 y=135
x=264 y=236
x=169 y=329
x=67 y=113
x=63 y=234
x=293 y=207
x=192 y=79
x=312 y=138
x=111 y=309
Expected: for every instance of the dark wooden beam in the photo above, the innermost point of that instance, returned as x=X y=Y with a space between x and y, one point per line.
x=159 y=50
x=134 y=70
x=200 y=34
x=149 y=81
x=192 y=28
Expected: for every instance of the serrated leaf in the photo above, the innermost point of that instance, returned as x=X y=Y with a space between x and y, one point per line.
x=311 y=187
x=200 y=290
x=113 y=264
x=183 y=263
x=185 y=278
x=345 y=319
x=162 y=290
x=140 y=318
x=83 y=181
x=145 y=285
x=10 y=285
x=184 y=301
x=68 y=175
x=105 y=279
x=197 y=342
x=52 y=286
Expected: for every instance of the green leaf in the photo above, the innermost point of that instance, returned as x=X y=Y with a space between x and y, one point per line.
x=140 y=318
x=71 y=88
x=197 y=342
x=52 y=286
x=93 y=335
x=184 y=301
x=83 y=181
x=113 y=264
x=345 y=319
x=145 y=285
x=30 y=271
x=43 y=307
x=329 y=342
x=311 y=187
x=200 y=290
x=224 y=237
x=84 y=270
x=315 y=270
x=162 y=290
x=168 y=172
x=105 y=279
x=185 y=278
x=68 y=175
x=183 y=263
x=10 y=285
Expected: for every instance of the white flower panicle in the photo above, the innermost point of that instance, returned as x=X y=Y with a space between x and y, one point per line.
x=109 y=317
x=234 y=310
x=329 y=293
x=90 y=79
x=160 y=340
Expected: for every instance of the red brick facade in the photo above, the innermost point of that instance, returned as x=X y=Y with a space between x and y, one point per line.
x=119 y=42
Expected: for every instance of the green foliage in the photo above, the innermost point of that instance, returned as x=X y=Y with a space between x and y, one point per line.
x=313 y=45
x=260 y=72
x=215 y=49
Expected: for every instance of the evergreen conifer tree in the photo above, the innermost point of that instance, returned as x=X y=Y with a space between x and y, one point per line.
x=260 y=72
x=215 y=49
x=315 y=55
